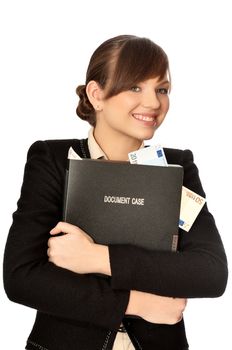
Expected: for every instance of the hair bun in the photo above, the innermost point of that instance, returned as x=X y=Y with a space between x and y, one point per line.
x=84 y=109
x=81 y=91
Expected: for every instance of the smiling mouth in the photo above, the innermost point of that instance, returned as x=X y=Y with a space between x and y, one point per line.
x=145 y=117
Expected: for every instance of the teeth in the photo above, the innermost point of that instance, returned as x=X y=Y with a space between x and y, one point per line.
x=144 y=118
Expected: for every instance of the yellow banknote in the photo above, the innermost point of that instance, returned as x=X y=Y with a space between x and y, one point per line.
x=191 y=205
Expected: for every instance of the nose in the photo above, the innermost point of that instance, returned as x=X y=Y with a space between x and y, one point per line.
x=150 y=100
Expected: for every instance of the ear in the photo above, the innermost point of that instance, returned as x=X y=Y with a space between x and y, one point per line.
x=95 y=94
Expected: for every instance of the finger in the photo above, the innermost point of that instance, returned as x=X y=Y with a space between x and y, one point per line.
x=56 y=229
x=63 y=227
x=50 y=242
x=50 y=258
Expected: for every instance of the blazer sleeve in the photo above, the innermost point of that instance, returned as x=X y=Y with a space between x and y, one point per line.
x=198 y=269
x=29 y=278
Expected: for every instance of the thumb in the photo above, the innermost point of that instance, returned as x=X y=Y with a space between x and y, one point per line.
x=63 y=227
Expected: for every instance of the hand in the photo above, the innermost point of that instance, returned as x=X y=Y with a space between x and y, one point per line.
x=156 y=309
x=76 y=251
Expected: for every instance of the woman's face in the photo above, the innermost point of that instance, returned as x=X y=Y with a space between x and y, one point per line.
x=138 y=112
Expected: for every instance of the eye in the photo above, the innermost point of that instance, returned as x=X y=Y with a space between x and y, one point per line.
x=135 y=88
x=162 y=91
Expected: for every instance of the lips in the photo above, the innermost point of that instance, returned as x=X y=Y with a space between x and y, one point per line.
x=146 y=118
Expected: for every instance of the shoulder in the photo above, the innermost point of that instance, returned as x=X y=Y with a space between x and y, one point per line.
x=178 y=156
x=57 y=145
x=56 y=151
x=191 y=173
x=58 y=148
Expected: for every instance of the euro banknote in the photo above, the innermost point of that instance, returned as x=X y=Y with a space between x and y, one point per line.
x=191 y=205
x=152 y=155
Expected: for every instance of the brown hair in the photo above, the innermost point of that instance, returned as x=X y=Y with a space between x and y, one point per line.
x=119 y=63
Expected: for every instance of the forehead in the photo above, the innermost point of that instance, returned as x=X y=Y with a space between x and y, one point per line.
x=156 y=80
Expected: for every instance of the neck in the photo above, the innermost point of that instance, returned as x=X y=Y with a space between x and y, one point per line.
x=115 y=145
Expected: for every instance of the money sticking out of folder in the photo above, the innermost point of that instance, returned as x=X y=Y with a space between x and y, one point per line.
x=191 y=205
x=152 y=155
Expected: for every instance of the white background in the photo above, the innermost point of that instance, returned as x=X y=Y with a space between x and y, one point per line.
x=45 y=49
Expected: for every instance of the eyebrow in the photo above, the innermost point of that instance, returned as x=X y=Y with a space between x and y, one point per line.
x=164 y=82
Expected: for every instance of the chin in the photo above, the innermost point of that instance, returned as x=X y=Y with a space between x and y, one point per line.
x=145 y=134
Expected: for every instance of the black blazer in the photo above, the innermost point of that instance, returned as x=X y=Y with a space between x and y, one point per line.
x=85 y=311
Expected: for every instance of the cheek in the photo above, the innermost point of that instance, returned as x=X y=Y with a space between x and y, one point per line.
x=112 y=116
x=127 y=101
x=165 y=105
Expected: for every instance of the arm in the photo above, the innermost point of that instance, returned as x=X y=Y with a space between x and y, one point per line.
x=76 y=251
x=199 y=269
x=29 y=278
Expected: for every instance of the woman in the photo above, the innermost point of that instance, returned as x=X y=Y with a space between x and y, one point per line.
x=125 y=99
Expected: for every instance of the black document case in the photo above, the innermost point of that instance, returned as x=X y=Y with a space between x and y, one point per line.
x=123 y=203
